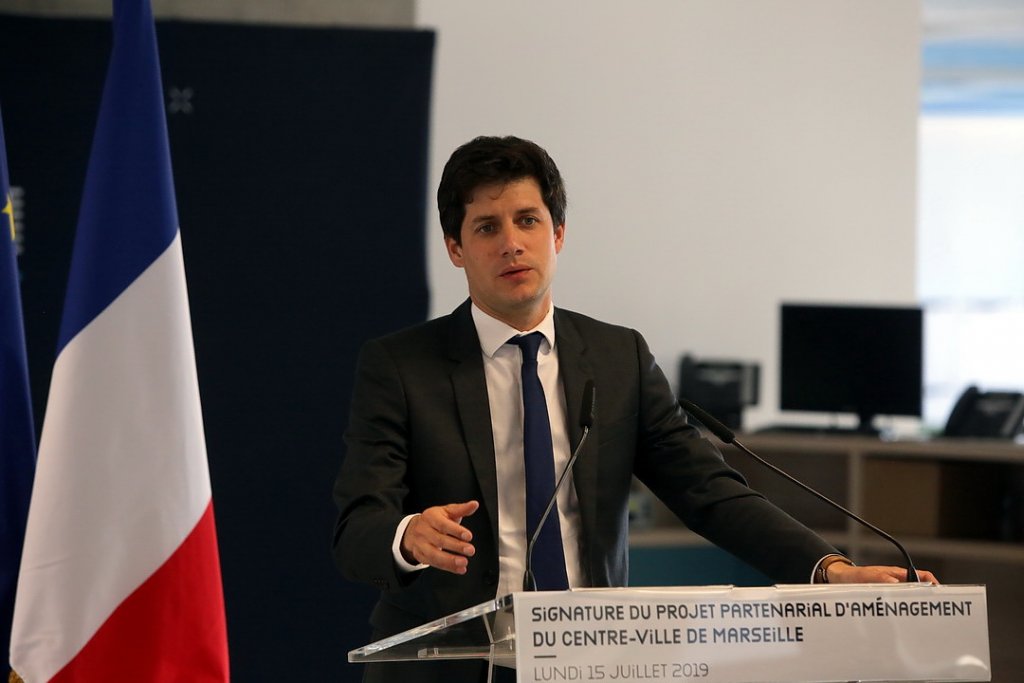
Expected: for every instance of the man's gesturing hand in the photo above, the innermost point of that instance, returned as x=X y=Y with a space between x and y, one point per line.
x=437 y=538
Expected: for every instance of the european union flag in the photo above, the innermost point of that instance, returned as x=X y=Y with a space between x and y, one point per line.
x=17 y=434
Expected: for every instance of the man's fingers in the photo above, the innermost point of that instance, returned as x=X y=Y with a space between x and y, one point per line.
x=927 y=576
x=460 y=510
x=839 y=573
x=449 y=559
x=446 y=520
x=455 y=513
x=439 y=559
x=437 y=538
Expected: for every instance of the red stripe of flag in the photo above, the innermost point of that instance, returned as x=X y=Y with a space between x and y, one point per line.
x=170 y=630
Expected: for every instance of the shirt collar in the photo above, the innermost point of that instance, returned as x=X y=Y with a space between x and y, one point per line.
x=493 y=333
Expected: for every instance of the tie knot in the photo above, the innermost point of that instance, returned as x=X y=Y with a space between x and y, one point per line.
x=529 y=343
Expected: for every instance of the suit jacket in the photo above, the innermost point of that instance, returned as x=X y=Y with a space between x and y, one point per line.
x=420 y=435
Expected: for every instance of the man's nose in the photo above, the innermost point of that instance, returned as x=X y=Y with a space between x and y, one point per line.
x=512 y=244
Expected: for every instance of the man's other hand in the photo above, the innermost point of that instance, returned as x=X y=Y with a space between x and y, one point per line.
x=437 y=538
x=839 y=572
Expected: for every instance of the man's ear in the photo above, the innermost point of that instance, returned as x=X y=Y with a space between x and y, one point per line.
x=454 y=251
x=559 y=237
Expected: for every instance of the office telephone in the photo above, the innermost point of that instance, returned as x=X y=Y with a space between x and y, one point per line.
x=991 y=414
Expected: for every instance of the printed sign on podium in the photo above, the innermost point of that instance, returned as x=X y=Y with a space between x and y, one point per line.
x=900 y=632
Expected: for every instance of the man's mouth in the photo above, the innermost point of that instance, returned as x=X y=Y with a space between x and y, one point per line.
x=512 y=271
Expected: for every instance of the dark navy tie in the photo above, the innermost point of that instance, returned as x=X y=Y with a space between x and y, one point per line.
x=538 y=453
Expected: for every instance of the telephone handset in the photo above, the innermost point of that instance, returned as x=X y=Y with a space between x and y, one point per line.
x=987 y=414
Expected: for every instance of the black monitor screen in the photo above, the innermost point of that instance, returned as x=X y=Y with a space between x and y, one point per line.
x=851 y=359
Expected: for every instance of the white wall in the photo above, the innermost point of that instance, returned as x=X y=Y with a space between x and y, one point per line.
x=720 y=155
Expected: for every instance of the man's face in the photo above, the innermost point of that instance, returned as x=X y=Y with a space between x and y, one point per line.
x=509 y=251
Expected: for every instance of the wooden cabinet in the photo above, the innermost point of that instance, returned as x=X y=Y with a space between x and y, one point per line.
x=951 y=497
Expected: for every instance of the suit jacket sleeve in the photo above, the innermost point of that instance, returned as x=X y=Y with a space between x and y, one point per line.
x=371 y=488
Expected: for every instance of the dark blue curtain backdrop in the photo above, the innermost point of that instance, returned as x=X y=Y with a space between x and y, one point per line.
x=300 y=160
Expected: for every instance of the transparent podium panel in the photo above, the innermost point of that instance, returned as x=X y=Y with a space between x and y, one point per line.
x=485 y=631
x=716 y=634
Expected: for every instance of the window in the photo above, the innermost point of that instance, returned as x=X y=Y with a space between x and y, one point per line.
x=971 y=200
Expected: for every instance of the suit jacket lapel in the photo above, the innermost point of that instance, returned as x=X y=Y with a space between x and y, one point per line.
x=574 y=367
x=470 y=387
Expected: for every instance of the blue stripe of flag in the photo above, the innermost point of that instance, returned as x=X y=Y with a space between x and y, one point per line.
x=128 y=216
x=17 y=433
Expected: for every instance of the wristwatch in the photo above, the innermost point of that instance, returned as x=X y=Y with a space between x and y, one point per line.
x=821 y=573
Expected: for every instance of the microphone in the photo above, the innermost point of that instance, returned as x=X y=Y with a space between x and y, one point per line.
x=586 y=421
x=726 y=436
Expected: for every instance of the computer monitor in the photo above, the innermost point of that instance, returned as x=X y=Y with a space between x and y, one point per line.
x=865 y=360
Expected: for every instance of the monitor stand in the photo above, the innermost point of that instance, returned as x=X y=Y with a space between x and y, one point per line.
x=865 y=425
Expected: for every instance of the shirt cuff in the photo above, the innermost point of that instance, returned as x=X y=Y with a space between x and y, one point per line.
x=401 y=564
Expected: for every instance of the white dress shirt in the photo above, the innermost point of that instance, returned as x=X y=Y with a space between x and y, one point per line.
x=502 y=371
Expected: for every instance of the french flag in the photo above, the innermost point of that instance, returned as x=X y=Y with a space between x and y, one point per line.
x=120 y=576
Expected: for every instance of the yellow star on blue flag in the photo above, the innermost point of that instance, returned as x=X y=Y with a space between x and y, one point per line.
x=9 y=210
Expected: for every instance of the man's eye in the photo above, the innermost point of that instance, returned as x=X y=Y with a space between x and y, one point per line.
x=486 y=228
x=529 y=220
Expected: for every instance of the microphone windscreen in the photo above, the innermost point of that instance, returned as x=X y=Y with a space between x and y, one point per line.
x=587 y=411
x=716 y=427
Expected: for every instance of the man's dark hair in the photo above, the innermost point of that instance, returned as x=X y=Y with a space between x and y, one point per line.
x=489 y=160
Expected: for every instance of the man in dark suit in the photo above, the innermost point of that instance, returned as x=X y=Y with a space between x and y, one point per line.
x=431 y=494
